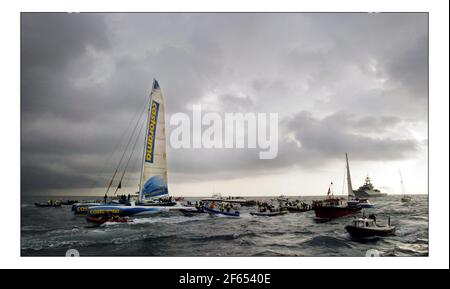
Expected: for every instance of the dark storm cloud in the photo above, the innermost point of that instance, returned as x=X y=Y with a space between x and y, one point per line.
x=54 y=39
x=340 y=82
x=336 y=134
x=305 y=141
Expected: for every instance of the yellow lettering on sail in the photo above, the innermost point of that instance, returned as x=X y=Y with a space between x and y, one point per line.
x=149 y=152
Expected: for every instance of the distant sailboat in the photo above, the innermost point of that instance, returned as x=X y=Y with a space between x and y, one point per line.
x=153 y=189
x=405 y=197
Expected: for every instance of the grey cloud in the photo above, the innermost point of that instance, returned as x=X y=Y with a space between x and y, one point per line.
x=233 y=103
x=48 y=39
x=362 y=77
x=334 y=135
x=322 y=141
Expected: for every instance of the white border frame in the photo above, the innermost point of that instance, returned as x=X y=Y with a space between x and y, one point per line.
x=438 y=134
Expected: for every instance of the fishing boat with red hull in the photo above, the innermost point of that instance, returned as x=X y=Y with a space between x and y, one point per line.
x=333 y=207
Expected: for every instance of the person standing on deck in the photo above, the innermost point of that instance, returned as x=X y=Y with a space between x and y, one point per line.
x=106 y=196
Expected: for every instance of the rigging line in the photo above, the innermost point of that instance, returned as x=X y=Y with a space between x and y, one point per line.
x=136 y=134
x=138 y=137
x=140 y=162
x=118 y=143
x=137 y=163
x=122 y=136
x=126 y=149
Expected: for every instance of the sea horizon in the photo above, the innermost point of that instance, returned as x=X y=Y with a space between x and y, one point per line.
x=206 y=196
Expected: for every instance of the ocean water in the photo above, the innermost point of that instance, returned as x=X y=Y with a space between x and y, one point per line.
x=53 y=231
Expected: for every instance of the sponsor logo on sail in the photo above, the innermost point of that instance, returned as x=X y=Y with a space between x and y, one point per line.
x=149 y=152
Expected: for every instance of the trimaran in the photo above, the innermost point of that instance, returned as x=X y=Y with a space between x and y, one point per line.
x=153 y=177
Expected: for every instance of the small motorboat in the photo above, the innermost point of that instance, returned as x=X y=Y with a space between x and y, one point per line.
x=365 y=204
x=362 y=203
x=48 y=204
x=368 y=227
x=212 y=211
x=112 y=219
x=270 y=213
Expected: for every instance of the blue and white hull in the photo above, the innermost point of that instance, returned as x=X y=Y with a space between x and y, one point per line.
x=82 y=208
x=125 y=211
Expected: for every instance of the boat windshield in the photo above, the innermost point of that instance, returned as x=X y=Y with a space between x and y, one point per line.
x=364 y=223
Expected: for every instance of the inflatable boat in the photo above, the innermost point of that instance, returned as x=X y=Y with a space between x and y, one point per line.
x=224 y=212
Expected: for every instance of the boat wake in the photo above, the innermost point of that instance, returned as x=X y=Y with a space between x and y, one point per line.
x=326 y=242
x=164 y=220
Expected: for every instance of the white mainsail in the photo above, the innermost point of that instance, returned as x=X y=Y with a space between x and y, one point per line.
x=153 y=182
x=349 y=179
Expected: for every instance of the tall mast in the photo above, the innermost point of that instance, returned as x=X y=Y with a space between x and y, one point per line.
x=145 y=143
x=349 y=179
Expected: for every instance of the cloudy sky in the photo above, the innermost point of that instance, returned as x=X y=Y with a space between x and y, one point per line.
x=353 y=83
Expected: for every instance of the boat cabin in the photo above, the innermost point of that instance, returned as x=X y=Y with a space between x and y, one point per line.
x=364 y=223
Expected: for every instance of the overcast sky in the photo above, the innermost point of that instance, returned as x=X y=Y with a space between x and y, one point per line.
x=353 y=83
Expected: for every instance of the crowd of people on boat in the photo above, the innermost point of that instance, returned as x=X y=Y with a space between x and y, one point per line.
x=264 y=207
x=199 y=205
x=221 y=206
x=168 y=199
x=326 y=202
x=299 y=204
x=124 y=199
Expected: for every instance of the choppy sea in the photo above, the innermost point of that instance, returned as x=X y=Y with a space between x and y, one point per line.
x=53 y=231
